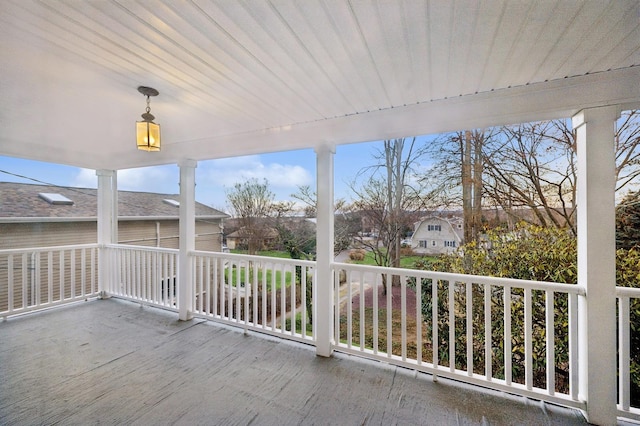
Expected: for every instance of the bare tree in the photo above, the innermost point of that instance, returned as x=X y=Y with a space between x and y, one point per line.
x=389 y=192
x=530 y=171
x=252 y=202
x=627 y=145
x=457 y=175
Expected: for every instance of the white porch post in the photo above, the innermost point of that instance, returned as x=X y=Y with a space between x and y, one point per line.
x=323 y=317
x=107 y=226
x=187 y=238
x=596 y=262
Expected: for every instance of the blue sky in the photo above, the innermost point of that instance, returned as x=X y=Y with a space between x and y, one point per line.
x=285 y=171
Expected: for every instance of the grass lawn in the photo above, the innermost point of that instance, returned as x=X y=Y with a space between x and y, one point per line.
x=407 y=262
x=272 y=280
x=299 y=325
x=268 y=253
x=396 y=337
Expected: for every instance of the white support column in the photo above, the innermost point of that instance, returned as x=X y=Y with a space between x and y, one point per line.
x=323 y=316
x=114 y=208
x=596 y=262
x=187 y=238
x=107 y=221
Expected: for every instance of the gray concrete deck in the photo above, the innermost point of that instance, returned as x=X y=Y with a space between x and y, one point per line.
x=113 y=362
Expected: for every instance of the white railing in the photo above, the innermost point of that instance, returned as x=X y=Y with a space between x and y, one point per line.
x=628 y=314
x=438 y=324
x=40 y=278
x=270 y=295
x=147 y=275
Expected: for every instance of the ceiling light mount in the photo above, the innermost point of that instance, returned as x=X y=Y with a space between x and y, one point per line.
x=148 y=132
x=148 y=91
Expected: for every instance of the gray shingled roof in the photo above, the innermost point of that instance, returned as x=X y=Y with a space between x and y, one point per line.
x=21 y=200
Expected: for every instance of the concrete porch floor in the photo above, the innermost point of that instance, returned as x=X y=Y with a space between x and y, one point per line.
x=113 y=362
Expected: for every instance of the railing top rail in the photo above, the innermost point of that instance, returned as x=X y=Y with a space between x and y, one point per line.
x=146 y=248
x=44 y=249
x=628 y=292
x=476 y=279
x=248 y=257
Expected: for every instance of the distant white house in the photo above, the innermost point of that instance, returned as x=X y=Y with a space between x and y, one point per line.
x=437 y=235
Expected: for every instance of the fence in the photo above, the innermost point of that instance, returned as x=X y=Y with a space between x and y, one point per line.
x=39 y=278
x=271 y=295
x=628 y=352
x=146 y=275
x=512 y=335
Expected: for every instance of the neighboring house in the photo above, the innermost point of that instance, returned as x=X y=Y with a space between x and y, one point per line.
x=437 y=235
x=264 y=238
x=43 y=216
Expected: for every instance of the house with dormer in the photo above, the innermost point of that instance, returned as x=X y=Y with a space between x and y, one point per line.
x=437 y=235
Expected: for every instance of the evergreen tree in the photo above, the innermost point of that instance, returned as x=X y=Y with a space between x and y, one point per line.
x=628 y=222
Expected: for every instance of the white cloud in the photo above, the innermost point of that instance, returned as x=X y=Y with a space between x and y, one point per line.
x=228 y=172
x=86 y=178
x=161 y=179
x=213 y=178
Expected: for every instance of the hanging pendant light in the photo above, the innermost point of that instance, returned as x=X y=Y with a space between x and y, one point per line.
x=148 y=132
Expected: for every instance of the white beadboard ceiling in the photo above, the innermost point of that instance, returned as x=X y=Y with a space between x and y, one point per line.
x=249 y=76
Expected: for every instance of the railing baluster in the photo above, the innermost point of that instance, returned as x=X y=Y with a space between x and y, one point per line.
x=573 y=346
x=50 y=276
x=389 y=315
x=488 y=337
x=362 y=312
x=303 y=300
x=201 y=282
x=283 y=298
x=72 y=272
x=336 y=303
x=624 y=338
x=550 y=341
x=36 y=278
x=434 y=322
x=254 y=295
x=172 y=279
x=376 y=320
x=241 y=282
x=507 y=336
x=274 y=304
x=403 y=313
x=83 y=272
x=62 y=267
x=210 y=278
x=349 y=309
x=419 y=319
x=138 y=277
x=452 y=326
x=528 y=341
x=469 y=315
x=264 y=295
x=10 y=284
x=294 y=283
x=25 y=276
x=94 y=288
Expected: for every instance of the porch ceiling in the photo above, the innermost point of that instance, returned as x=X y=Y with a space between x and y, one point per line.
x=243 y=77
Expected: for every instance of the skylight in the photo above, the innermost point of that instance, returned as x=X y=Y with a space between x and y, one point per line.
x=55 y=199
x=173 y=203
